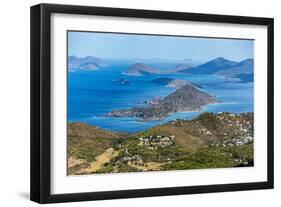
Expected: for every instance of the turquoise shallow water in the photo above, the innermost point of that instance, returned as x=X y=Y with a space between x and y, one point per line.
x=92 y=94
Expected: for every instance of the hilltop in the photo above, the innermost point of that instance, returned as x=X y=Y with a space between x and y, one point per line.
x=173 y=83
x=230 y=69
x=139 y=69
x=211 y=67
x=170 y=82
x=243 y=67
x=180 y=67
x=85 y=63
x=80 y=129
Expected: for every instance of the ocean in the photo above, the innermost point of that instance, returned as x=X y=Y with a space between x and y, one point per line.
x=93 y=94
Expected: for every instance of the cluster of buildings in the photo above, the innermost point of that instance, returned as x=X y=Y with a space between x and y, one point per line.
x=154 y=142
x=237 y=141
x=233 y=120
x=243 y=130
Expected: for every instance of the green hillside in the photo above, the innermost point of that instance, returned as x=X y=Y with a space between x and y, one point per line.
x=208 y=141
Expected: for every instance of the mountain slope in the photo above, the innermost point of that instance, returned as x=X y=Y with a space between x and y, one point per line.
x=243 y=67
x=211 y=67
x=187 y=98
x=85 y=63
x=139 y=69
x=180 y=67
x=89 y=66
x=85 y=142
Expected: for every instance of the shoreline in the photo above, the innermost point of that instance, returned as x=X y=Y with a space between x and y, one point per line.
x=161 y=122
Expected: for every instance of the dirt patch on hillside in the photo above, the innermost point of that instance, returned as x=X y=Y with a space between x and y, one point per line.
x=99 y=162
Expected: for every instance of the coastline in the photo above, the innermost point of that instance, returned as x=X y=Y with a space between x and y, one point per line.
x=140 y=91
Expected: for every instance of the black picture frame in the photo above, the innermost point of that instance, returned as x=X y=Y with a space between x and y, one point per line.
x=41 y=98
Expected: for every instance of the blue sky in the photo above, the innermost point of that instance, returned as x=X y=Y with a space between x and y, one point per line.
x=109 y=45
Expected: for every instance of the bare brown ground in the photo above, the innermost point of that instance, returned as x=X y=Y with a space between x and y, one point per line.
x=101 y=159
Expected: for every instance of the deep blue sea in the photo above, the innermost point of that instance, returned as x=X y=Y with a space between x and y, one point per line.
x=93 y=94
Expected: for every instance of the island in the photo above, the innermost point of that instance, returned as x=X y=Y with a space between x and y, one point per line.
x=211 y=67
x=139 y=69
x=85 y=63
x=187 y=98
x=243 y=67
x=89 y=66
x=222 y=67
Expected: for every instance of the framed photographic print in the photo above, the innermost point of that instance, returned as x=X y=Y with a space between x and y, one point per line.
x=133 y=103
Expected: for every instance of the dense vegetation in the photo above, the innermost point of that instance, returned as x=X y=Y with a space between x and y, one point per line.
x=220 y=157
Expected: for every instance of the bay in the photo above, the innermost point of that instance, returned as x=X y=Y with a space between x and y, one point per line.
x=93 y=94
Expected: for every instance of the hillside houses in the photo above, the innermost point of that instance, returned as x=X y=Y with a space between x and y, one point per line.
x=237 y=141
x=243 y=126
x=154 y=142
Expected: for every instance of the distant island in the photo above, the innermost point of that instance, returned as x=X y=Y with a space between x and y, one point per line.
x=223 y=67
x=179 y=67
x=243 y=67
x=139 y=69
x=187 y=98
x=85 y=63
x=211 y=67
x=218 y=66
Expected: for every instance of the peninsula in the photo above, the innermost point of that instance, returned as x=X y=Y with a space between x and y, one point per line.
x=187 y=98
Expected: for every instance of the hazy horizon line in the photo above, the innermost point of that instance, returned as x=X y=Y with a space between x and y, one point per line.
x=165 y=59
